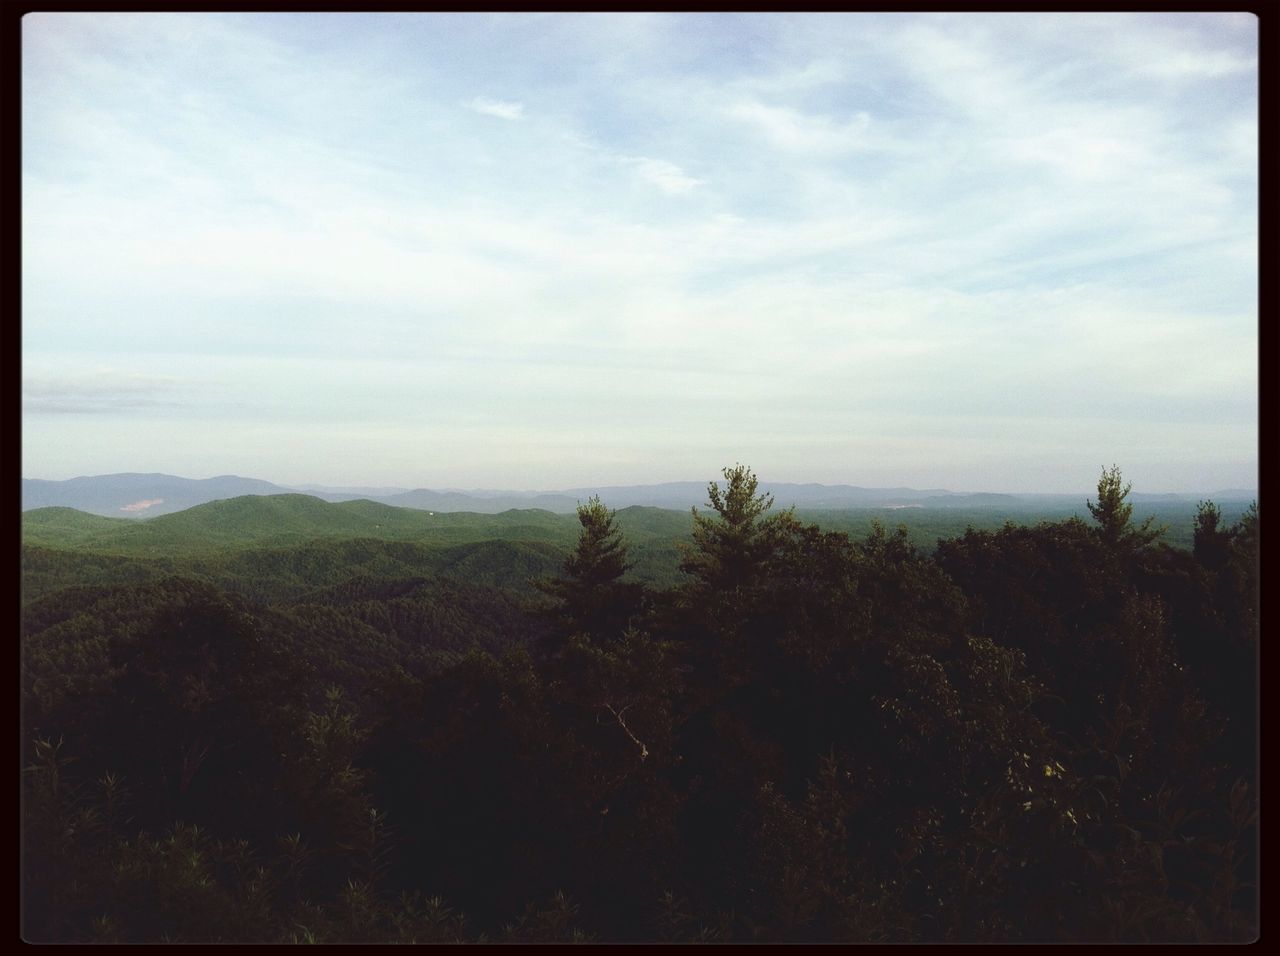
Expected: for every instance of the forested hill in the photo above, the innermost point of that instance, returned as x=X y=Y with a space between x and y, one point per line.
x=258 y=520
x=141 y=496
x=292 y=519
x=275 y=547
x=279 y=719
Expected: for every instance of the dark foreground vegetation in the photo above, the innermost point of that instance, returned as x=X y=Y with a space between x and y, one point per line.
x=1036 y=733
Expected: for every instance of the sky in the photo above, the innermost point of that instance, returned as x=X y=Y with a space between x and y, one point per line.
x=530 y=251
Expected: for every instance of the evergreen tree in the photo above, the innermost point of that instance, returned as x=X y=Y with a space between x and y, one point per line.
x=1212 y=541
x=592 y=598
x=730 y=548
x=1114 y=515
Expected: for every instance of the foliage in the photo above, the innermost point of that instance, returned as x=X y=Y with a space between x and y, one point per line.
x=591 y=597
x=1031 y=733
x=1115 y=516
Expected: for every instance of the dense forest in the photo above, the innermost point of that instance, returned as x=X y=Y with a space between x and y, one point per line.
x=1037 y=732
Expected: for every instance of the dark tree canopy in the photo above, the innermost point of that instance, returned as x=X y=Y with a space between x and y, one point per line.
x=1039 y=733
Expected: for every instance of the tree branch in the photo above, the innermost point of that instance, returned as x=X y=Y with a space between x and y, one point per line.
x=644 y=751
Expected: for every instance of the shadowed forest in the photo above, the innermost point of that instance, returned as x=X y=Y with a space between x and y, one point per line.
x=474 y=730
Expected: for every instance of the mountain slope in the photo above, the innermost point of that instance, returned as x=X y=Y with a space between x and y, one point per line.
x=139 y=496
x=134 y=495
x=257 y=521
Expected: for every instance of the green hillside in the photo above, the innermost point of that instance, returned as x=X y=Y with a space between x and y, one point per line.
x=290 y=522
x=925 y=526
x=259 y=520
x=281 y=520
x=276 y=547
x=273 y=546
x=66 y=526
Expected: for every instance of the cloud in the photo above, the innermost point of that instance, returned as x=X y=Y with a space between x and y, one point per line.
x=1195 y=64
x=99 y=392
x=873 y=214
x=500 y=108
x=668 y=177
x=790 y=129
x=815 y=74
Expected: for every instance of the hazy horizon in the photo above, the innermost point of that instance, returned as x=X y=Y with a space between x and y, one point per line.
x=984 y=253
x=765 y=481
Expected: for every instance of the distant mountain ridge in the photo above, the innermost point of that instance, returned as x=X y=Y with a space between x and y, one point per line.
x=138 y=495
x=135 y=495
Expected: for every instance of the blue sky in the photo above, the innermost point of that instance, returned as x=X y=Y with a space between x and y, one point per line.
x=981 y=252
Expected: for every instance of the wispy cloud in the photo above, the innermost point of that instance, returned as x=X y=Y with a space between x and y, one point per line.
x=668 y=177
x=793 y=130
x=104 y=391
x=1210 y=64
x=499 y=108
x=860 y=223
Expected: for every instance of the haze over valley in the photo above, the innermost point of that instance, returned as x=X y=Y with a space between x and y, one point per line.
x=139 y=495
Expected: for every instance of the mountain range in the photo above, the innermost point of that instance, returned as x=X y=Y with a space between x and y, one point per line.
x=133 y=495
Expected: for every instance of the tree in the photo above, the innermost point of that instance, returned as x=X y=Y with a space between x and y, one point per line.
x=1114 y=515
x=730 y=548
x=592 y=597
x=1212 y=541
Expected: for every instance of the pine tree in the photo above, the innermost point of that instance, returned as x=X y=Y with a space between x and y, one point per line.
x=591 y=597
x=730 y=548
x=1211 y=541
x=1114 y=515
